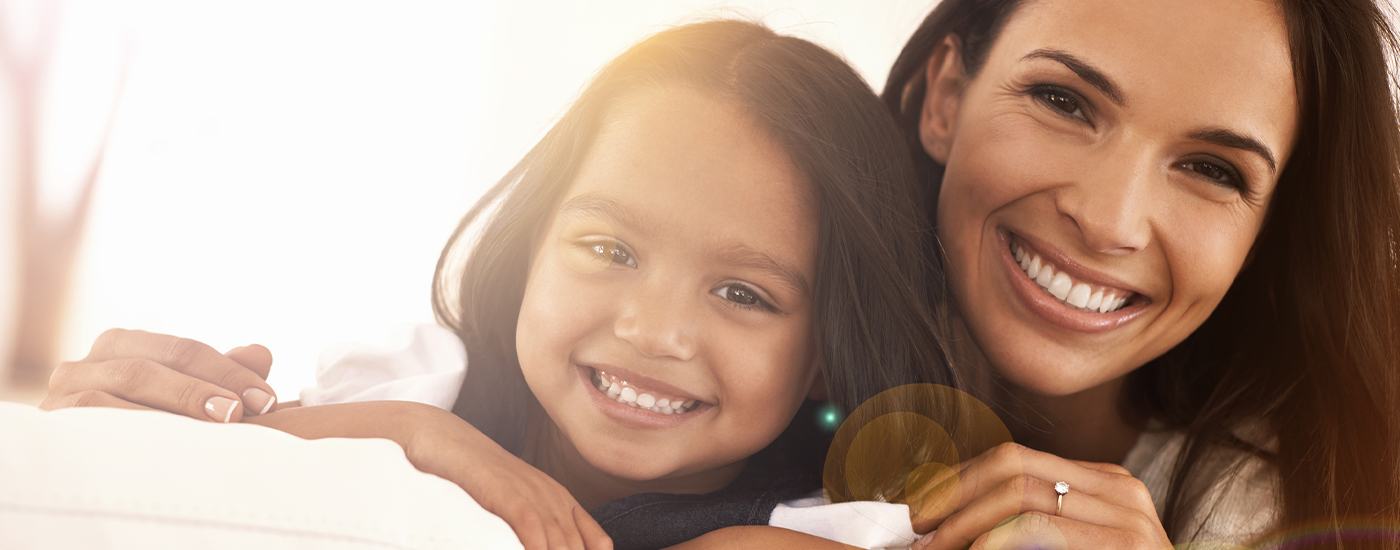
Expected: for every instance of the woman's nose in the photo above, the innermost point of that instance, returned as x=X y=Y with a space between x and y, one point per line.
x=1111 y=206
x=658 y=321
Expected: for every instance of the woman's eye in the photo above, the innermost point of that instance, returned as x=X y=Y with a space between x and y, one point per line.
x=1061 y=100
x=742 y=296
x=612 y=253
x=1215 y=173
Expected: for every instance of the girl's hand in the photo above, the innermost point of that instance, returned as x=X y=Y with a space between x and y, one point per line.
x=141 y=370
x=1106 y=507
x=540 y=510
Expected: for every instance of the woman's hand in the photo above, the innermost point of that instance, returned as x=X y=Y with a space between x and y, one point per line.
x=141 y=370
x=1106 y=507
x=540 y=510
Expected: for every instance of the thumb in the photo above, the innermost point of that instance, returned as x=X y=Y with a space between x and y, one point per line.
x=253 y=357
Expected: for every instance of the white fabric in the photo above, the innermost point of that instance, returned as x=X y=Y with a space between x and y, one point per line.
x=118 y=479
x=422 y=363
x=861 y=524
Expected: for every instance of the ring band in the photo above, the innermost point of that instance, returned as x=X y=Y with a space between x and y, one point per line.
x=1061 y=489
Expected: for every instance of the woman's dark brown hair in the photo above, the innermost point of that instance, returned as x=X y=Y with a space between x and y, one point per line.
x=871 y=325
x=1308 y=337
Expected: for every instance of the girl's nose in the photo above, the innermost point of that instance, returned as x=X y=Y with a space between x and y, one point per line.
x=658 y=322
x=1111 y=206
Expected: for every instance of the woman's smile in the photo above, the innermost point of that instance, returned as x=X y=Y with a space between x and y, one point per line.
x=1063 y=292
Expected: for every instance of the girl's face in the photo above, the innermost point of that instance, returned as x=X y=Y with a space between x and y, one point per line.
x=665 y=326
x=1108 y=170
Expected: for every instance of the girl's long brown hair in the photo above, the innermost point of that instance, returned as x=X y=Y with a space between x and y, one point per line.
x=871 y=323
x=1308 y=338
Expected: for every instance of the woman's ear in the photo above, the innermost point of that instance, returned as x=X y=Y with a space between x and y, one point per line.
x=945 y=79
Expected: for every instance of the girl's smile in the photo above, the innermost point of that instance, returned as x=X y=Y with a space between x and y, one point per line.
x=637 y=401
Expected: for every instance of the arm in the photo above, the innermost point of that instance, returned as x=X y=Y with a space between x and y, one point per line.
x=759 y=536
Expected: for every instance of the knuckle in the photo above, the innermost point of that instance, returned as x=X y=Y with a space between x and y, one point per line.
x=107 y=337
x=1008 y=451
x=180 y=352
x=1117 y=469
x=128 y=373
x=86 y=398
x=60 y=375
x=1035 y=521
x=189 y=395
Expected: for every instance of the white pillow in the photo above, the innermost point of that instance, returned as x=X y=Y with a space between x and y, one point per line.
x=109 y=478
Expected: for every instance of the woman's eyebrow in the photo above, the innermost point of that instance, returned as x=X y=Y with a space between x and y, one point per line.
x=742 y=256
x=1086 y=71
x=1236 y=140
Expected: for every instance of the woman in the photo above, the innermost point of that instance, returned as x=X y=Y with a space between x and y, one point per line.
x=1170 y=235
x=1170 y=232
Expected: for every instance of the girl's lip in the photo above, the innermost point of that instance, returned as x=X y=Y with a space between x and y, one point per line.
x=1059 y=313
x=633 y=416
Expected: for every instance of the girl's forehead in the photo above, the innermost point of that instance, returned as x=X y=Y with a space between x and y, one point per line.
x=694 y=168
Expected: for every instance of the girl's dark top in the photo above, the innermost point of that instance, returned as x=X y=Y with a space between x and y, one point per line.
x=789 y=468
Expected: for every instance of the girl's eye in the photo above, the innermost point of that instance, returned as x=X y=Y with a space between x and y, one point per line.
x=742 y=296
x=1062 y=100
x=1223 y=176
x=613 y=253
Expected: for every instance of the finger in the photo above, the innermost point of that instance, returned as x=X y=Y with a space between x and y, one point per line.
x=1037 y=530
x=257 y=359
x=573 y=535
x=992 y=468
x=150 y=384
x=554 y=534
x=90 y=398
x=594 y=537
x=1020 y=495
x=528 y=528
x=187 y=356
x=254 y=357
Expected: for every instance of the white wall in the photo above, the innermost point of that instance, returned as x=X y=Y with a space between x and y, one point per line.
x=286 y=172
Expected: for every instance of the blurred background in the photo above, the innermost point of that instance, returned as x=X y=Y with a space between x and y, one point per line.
x=285 y=172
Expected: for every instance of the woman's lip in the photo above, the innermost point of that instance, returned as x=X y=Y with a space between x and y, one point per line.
x=629 y=415
x=1059 y=313
x=1064 y=263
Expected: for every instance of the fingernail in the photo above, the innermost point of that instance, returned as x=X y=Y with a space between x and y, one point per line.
x=220 y=409
x=255 y=399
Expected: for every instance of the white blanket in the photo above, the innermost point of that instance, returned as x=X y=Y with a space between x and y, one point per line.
x=107 y=478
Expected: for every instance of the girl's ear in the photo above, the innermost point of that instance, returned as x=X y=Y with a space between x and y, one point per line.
x=818 y=390
x=945 y=80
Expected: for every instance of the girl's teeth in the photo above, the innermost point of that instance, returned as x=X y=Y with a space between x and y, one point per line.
x=1063 y=287
x=619 y=391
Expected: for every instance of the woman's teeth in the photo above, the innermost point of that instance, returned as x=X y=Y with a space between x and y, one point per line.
x=1064 y=288
x=623 y=392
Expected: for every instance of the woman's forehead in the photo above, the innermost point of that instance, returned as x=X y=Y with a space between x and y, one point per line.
x=1196 y=63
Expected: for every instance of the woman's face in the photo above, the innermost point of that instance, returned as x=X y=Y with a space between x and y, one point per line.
x=666 y=322
x=1108 y=169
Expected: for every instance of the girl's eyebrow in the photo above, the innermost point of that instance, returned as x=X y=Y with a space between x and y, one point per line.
x=735 y=254
x=740 y=255
x=597 y=205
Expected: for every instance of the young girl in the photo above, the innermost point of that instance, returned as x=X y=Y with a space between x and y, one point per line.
x=723 y=224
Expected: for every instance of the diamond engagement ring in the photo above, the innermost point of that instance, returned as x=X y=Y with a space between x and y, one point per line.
x=1061 y=489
